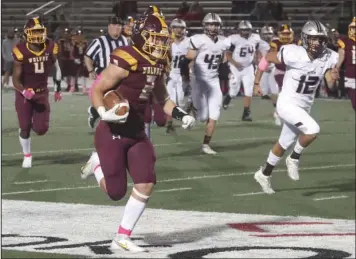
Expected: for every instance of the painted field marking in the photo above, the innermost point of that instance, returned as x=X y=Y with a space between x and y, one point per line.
x=180 y=179
x=30 y=182
x=174 y=189
x=331 y=198
x=248 y=194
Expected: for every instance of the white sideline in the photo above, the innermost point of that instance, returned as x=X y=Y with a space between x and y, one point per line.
x=180 y=179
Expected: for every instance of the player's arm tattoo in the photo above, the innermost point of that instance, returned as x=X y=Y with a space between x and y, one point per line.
x=16 y=76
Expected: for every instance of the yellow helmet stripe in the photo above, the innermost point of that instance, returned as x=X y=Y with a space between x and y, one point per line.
x=37 y=22
x=155 y=9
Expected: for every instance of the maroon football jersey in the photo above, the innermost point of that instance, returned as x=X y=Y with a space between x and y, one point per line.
x=36 y=66
x=79 y=49
x=137 y=87
x=350 y=56
x=66 y=48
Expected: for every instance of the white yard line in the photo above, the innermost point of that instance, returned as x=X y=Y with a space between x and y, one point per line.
x=331 y=198
x=181 y=179
x=156 y=145
x=30 y=182
x=174 y=189
x=60 y=151
x=248 y=194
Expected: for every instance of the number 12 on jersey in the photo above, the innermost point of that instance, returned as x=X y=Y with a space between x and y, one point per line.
x=307 y=84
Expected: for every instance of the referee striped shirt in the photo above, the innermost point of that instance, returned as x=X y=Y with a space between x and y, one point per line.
x=100 y=49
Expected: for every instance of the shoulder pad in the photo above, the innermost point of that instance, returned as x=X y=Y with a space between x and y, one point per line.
x=18 y=56
x=123 y=57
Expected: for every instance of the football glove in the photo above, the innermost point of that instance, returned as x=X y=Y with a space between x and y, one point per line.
x=28 y=93
x=111 y=116
x=188 y=122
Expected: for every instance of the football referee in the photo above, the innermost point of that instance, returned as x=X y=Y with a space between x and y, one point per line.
x=97 y=56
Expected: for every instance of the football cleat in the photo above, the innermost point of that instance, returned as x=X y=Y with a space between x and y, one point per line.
x=205 y=148
x=27 y=162
x=92 y=117
x=88 y=169
x=292 y=168
x=246 y=116
x=124 y=242
x=264 y=181
x=226 y=101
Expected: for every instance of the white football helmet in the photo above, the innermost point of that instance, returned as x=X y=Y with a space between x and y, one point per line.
x=267 y=33
x=245 y=28
x=178 y=27
x=314 y=37
x=212 y=24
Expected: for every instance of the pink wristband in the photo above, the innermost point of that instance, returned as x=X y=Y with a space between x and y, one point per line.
x=263 y=64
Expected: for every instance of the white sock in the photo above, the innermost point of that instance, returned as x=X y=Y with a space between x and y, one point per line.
x=298 y=148
x=98 y=173
x=148 y=129
x=133 y=211
x=273 y=159
x=26 y=145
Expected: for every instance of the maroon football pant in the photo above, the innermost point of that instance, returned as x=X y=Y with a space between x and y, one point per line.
x=352 y=95
x=33 y=114
x=159 y=116
x=118 y=154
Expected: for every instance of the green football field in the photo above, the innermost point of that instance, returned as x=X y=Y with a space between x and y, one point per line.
x=187 y=179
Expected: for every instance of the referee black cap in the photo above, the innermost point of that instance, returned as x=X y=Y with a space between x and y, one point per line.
x=115 y=20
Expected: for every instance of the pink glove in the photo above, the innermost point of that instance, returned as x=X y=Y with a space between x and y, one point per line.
x=57 y=96
x=28 y=93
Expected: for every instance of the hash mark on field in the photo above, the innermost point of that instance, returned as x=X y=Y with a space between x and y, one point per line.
x=248 y=194
x=183 y=179
x=30 y=182
x=331 y=198
x=175 y=189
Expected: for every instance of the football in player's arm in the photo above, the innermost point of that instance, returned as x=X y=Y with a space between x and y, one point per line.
x=331 y=75
x=113 y=74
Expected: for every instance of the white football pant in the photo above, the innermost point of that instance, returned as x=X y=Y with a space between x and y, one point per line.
x=207 y=97
x=246 y=76
x=175 y=89
x=296 y=121
x=268 y=83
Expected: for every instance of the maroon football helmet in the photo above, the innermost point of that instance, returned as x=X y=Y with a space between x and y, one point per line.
x=152 y=37
x=35 y=31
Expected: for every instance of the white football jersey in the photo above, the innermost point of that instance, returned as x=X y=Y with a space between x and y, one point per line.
x=209 y=54
x=244 y=48
x=263 y=47
x=303 y=75
x=179 y=50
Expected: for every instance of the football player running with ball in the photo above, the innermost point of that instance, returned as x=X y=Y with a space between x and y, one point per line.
x=307 y=65
x=120 y=141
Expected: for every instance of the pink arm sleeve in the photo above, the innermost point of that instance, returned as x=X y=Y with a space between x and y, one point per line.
x=263 y=64
x=93 y=85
